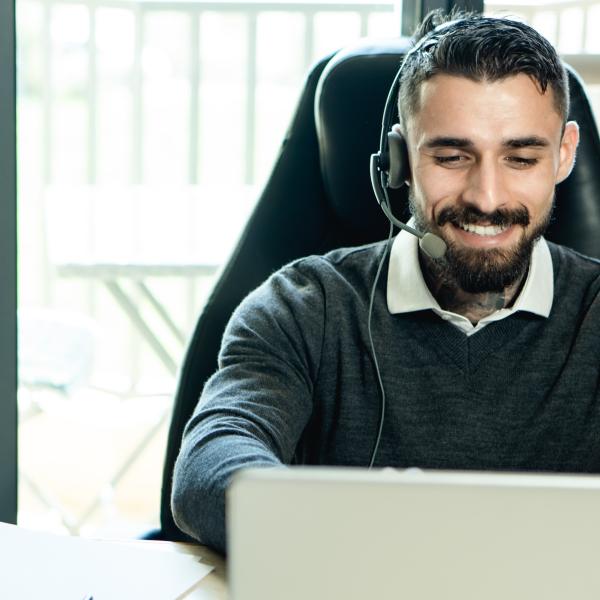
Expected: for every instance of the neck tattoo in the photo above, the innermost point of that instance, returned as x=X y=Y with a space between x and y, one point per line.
x=472 y=306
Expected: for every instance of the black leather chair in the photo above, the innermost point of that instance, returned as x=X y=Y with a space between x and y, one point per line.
x=319 y=197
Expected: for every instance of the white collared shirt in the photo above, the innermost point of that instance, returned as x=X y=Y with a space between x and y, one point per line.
x=408 y=292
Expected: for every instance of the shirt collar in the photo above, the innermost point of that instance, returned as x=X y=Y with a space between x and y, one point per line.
x=408 y=292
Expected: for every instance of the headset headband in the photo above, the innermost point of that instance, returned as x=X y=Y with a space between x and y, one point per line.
x=430 y=39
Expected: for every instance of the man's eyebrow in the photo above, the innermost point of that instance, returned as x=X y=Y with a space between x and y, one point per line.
x=530 y=141
x=526 y=142
x=448 y=142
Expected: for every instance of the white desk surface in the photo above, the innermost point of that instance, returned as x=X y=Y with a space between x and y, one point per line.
x=211 y=587
x=36 y=563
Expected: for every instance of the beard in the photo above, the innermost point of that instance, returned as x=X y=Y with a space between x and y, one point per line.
x=481 y=270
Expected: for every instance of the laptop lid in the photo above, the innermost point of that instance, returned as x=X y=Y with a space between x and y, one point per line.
x=313 y=533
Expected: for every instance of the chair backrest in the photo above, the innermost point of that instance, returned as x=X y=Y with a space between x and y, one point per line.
x=319 y=197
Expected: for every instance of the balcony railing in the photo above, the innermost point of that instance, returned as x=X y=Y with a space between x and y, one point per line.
x=82 y=66
x=127 y=109
x=121 y=93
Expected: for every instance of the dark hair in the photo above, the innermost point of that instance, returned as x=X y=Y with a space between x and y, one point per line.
x=482 y=49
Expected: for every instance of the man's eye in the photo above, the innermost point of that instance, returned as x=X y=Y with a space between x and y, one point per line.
x=455 y=159
x=521 y=162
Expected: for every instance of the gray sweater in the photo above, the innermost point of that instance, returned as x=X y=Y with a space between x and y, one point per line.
x=296 y=384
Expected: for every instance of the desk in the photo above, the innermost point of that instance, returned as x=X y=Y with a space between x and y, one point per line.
x=214 y=585
x=69 y=567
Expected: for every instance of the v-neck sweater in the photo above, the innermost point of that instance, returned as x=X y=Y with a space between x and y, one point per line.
x=296 y=384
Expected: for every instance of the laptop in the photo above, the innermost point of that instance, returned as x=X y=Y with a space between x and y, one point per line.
x=311 y=533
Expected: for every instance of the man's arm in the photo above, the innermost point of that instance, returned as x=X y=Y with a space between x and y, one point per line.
x=254 y=409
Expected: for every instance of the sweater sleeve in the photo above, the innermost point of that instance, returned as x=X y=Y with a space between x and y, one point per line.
x=254 y=409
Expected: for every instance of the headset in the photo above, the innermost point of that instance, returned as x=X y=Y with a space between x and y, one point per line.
x=390 y=169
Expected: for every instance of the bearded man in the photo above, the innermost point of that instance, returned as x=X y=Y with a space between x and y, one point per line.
x=486 y=358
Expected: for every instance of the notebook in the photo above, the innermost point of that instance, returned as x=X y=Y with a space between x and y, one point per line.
x=311 y=533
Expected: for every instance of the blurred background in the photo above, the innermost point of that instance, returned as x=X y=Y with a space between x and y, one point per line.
x=145 y=132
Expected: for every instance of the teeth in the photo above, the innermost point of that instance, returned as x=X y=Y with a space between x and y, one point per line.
x=481 y=230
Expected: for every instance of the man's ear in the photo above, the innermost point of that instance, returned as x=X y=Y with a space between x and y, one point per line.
x=568 y=150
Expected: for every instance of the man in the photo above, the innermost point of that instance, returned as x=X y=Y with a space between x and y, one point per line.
x=488 y=356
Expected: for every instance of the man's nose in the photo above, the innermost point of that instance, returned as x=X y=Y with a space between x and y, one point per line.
x=484 y=188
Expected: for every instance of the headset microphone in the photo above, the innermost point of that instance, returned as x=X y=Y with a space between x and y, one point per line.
x=431 y=244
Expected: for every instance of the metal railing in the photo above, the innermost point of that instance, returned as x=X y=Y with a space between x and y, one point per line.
x=194 y=12
x=42 y=97
x=566 y=23
x=39 y=94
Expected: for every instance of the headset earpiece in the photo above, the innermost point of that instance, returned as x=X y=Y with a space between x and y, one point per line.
x=390 y=167
x=399 y=169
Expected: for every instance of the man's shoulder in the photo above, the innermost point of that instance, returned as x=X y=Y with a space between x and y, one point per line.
x=568 y=262
x=315 y=276
x=576 y=277
x=336 y=271
x=349 y=259
x=299 y=290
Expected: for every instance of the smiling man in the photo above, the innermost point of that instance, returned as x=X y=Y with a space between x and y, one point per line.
x=488 y=142
x=486 y=358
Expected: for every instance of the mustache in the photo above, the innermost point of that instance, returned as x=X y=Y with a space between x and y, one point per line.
x=470 y=215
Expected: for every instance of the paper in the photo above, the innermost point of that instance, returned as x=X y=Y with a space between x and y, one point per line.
x=53 y=567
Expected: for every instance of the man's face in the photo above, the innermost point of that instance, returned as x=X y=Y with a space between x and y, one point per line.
x=485 y=158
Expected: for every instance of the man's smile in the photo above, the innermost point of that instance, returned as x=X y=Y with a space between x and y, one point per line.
x=468 y=227
x=485 y=230
x=484 y=236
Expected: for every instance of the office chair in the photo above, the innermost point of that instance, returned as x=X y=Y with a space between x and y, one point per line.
x=319 y=197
